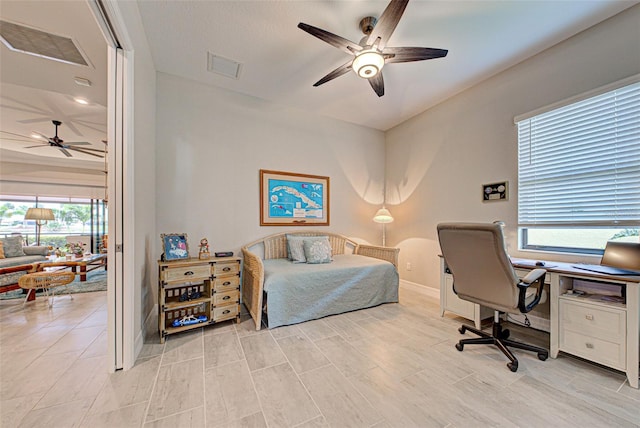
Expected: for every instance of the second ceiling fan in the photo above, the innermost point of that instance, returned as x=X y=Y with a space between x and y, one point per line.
x=60 y=144
x=372 y=53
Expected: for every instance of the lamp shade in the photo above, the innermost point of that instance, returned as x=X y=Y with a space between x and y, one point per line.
x=39 y=214
x=383 y=216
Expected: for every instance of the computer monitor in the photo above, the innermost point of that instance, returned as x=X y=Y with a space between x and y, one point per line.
x=625 y=255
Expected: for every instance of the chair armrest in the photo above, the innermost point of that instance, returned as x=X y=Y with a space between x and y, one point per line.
x=533 y=276
x=536 y=276
x=382 y=253
x=252 y=285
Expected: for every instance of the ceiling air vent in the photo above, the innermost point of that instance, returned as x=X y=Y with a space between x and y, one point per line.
x=224 y=66
x=35 y=42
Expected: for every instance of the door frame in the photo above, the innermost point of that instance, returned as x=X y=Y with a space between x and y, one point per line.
x=120 y=277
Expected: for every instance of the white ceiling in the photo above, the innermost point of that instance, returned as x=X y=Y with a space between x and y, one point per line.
x=280 y=62
x=34 y=91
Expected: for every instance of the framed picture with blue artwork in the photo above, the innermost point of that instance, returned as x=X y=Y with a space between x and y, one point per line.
x=291 y=199
x=175 y=246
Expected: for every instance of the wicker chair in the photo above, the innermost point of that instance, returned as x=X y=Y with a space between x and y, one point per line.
x=46 y=281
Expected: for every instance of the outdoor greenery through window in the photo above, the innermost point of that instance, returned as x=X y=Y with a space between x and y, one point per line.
x=75 y=220
x=579 y=172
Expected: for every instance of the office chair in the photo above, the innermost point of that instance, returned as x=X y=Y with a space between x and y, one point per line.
x=475 y=254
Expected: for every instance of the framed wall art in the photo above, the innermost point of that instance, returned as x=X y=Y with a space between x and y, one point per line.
x=291 y=199
x=175 y=246
x=495 y=192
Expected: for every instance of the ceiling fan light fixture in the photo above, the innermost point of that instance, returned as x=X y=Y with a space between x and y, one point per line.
x=81 y=101
x=368 y=63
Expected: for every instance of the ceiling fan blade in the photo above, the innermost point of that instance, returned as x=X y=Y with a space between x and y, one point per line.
x=377 y=83
x=20 y=140
x=66 y=153
x=77 y=143
x=41 y=136
x=16 y=135
x=339 y=42
x=39 y=145
x=343 y=69
x=412 y=54
x=85 y=152
x=387 y=23
x=86 y=148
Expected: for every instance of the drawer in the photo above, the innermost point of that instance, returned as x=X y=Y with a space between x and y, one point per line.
x=225 y=312
x=228 y=268
x=186 y=273
x=593 y=320
x=226 y=298
x=600 y=351
x=226 y=283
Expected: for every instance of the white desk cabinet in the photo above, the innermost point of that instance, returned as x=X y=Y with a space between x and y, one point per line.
x=450 y=302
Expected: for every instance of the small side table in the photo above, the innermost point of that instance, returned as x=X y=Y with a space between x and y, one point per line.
x=46 y=281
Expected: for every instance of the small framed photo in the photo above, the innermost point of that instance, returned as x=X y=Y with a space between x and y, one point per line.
x=175 y=246
x=495 y=192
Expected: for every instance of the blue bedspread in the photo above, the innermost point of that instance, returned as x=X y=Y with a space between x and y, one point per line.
x=298 y=292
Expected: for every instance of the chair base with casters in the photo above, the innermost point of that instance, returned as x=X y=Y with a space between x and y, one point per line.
x=46 y=281
x=500 y=338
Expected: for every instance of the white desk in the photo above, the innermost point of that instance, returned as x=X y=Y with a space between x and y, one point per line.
x=604 y=332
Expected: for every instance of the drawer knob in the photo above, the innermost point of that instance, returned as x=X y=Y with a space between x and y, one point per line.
x=226 y=283
x=188 y=273
x=589 y=317
x=589 y=345
x=226 y=312
x=227 y=269
x=226 y=297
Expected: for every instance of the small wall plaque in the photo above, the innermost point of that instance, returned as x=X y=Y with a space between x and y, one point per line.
x=495 y=192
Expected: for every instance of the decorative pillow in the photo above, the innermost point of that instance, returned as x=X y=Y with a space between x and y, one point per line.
x=317 y=250
x=12 y=246
x=295 y=249
x=1 y=250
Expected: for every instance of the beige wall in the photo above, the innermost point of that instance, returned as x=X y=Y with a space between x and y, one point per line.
x=437 y=161
x=211 y=144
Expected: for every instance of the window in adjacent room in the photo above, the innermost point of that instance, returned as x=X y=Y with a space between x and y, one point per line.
x=579 y=171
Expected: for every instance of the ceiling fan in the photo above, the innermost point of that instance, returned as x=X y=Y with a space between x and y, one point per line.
x=372 y=53
x=60 y=144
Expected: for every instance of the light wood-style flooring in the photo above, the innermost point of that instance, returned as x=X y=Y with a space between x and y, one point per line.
x=390 y=366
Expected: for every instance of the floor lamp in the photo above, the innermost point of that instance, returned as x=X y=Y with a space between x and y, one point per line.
x=383 y=216
x=41 y=216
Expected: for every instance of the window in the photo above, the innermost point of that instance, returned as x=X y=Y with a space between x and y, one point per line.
x=579 y=172
x=73 y=216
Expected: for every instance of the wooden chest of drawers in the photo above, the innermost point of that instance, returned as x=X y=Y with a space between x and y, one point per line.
x=193 y=293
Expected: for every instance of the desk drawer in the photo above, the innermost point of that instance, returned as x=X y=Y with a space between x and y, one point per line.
x=601 y=351
x=187 y=273
x=593 y=320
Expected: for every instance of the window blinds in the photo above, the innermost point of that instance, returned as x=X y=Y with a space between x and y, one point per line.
x=579 y=165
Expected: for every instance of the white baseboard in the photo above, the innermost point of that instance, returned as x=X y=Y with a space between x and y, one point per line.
x=148 y=324
x=429 y=291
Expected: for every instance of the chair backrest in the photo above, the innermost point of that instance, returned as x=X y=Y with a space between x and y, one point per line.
x=475 y=254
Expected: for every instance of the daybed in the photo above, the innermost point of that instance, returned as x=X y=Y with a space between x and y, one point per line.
x=278 y=291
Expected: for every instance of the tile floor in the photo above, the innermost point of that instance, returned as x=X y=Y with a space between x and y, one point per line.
x=389 y=366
